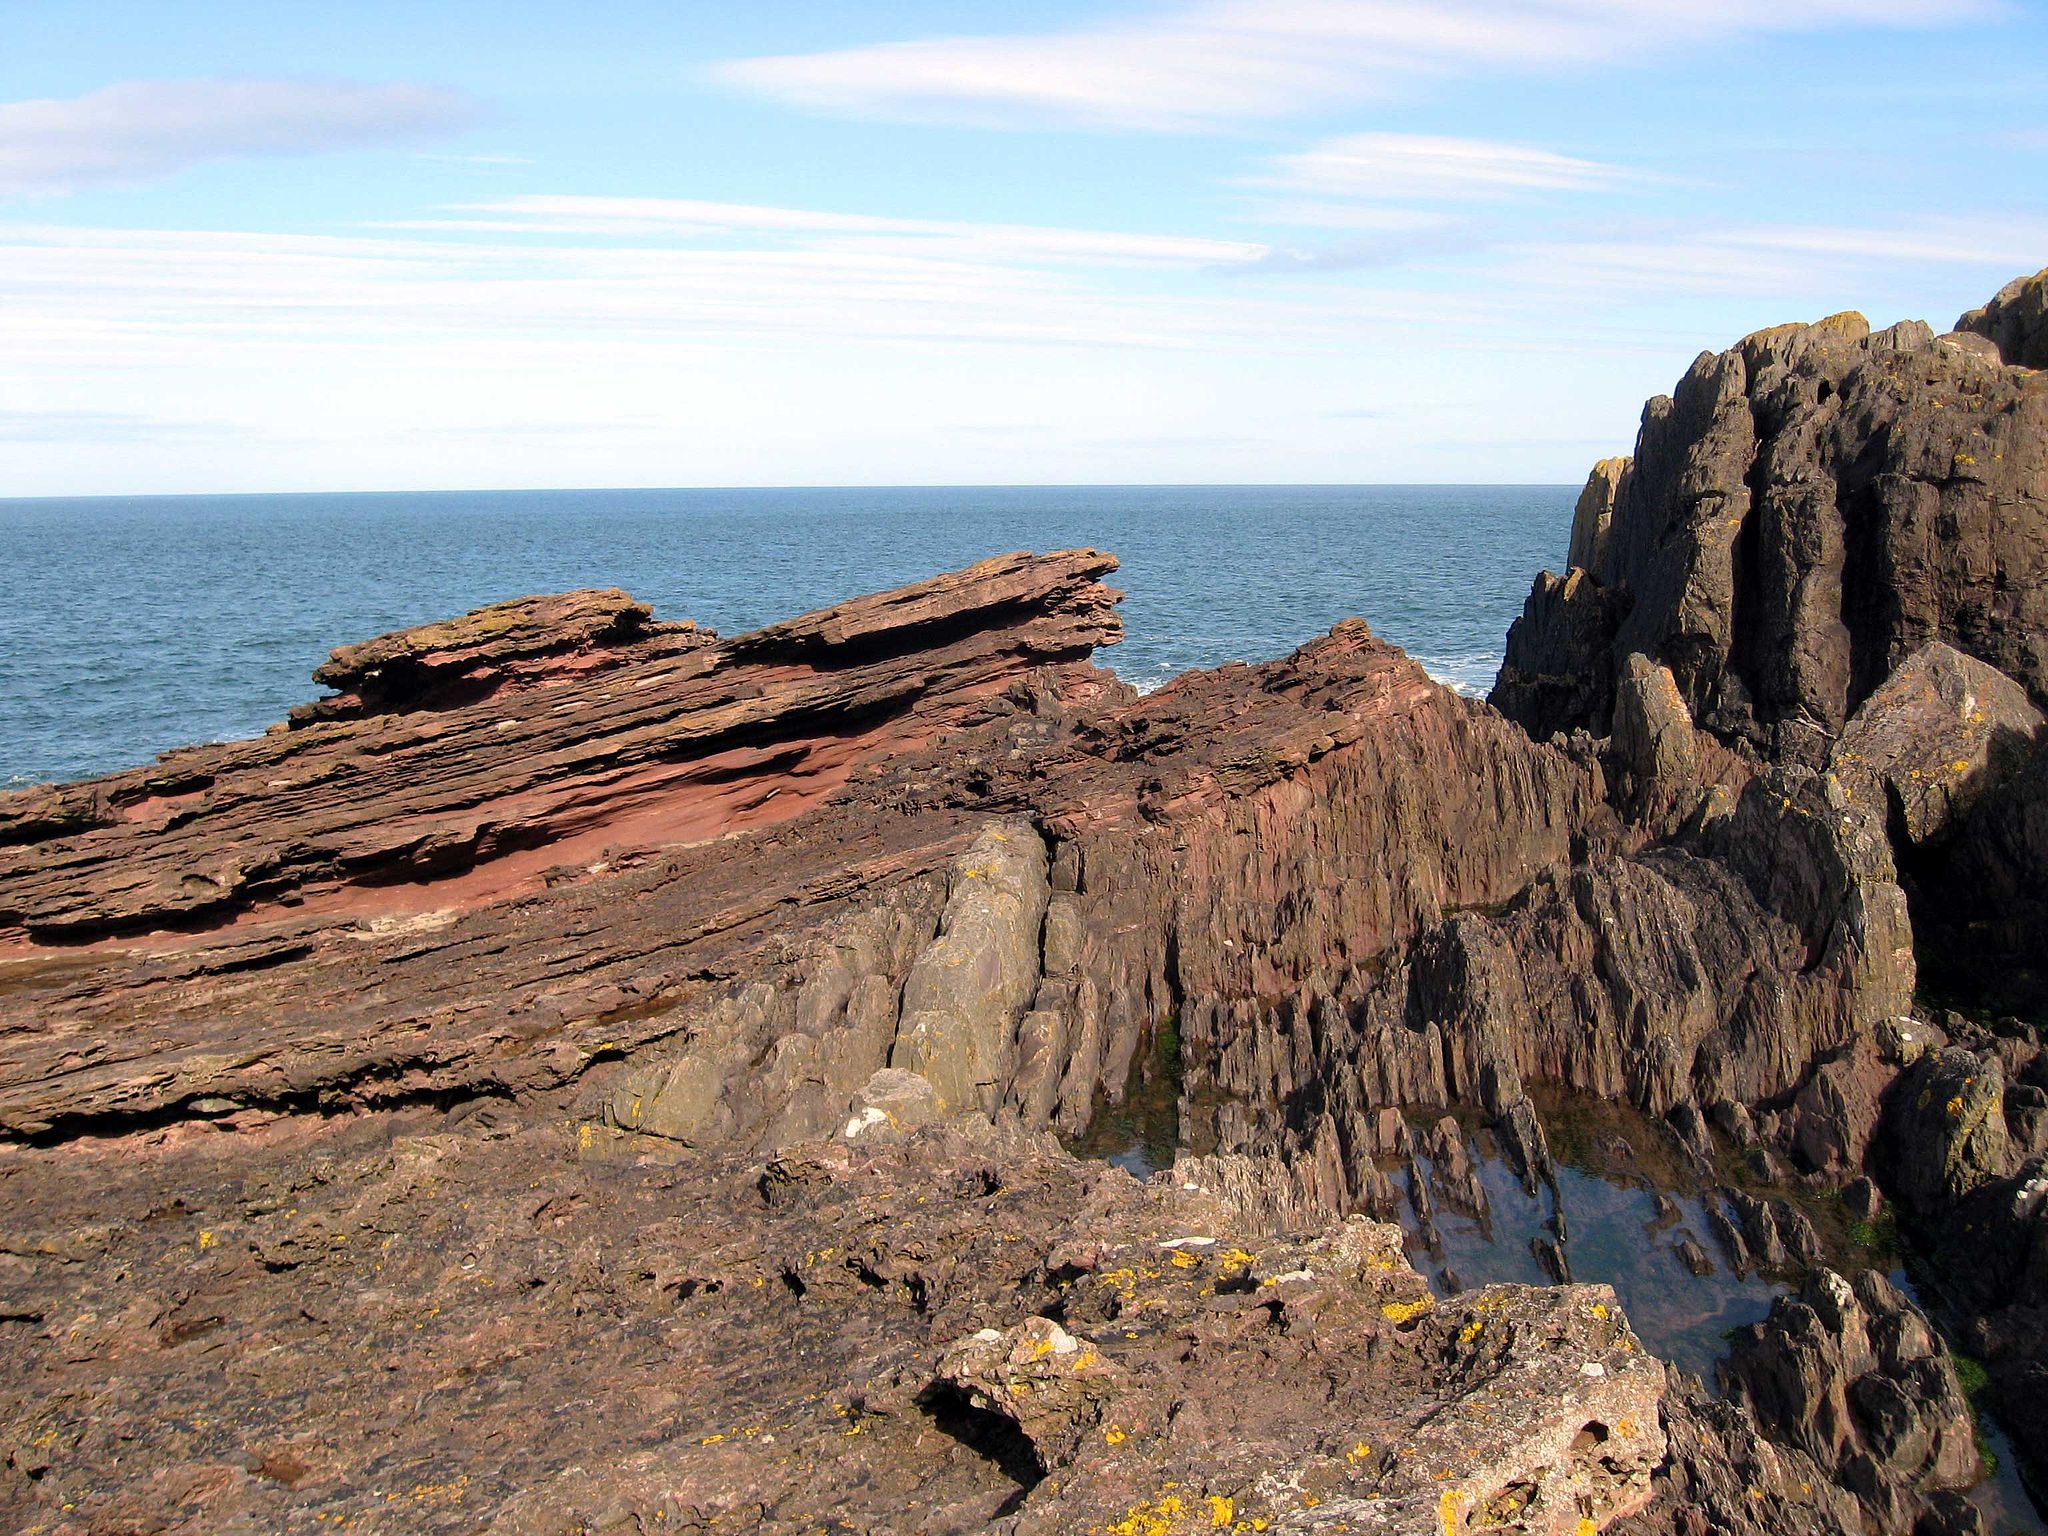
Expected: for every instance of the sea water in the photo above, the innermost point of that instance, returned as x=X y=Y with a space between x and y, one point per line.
x=134 y=624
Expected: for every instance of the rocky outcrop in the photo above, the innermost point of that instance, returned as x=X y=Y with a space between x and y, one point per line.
x=426 y=1325
x=674 y=741
x=967 y=992
x=1856 y=1378
x=1803 y=513
x=1803 y=627
x=2015 y=322
x=788 y=896
x=530 y=641
x=1594 y=514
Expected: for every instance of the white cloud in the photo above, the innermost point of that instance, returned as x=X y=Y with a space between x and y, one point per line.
x=662 y=342
x=1789 y=263
x=143 y=129
x=650 y=217
x=98 y=296
x=46 y=426
x=1194 y=65
x=1312 y=214
x=1380 y=165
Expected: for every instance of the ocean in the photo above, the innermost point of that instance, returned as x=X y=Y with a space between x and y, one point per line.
x=130 y=625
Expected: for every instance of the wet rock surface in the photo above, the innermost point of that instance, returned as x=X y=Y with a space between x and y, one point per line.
x=589 y=1074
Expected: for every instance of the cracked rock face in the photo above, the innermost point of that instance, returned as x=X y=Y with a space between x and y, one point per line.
x=613 y=1161
x=2015 y=321
x=1801 y=515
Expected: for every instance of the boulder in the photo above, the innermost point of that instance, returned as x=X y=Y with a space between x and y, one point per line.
x=1933 y=738
x=1945 y=1130
x=1854 y=1377
x=2015 y=321
x=1655 y=748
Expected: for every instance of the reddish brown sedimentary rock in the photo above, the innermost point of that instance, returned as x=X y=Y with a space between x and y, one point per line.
x=675 y=740
x=376 y=1093
x=528 y=641
x=424 y=1326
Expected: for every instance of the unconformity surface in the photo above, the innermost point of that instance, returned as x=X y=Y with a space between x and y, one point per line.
x=588 y=1074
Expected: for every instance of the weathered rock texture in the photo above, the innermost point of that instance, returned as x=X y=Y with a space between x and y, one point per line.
x=1854 y=1377
x=2016 y=321
x=1806 y=511
x=432 y=1069
x=412 y=1324
x=466 y=660
x=1828 y=558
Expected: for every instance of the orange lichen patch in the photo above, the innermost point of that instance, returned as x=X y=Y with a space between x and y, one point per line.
x=1155 y=1517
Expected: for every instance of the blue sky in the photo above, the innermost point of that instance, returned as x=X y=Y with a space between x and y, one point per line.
x=392 y=246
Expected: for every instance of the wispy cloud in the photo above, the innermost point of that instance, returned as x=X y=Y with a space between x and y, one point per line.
x=1310 y=213
x=484 y=160
x=143 y=129
x=1430 y=168
x=95 y=427
x=719 y=343
x=79 y=295
x=550 y=280
x=1196 y=65
x=1794 y=262
x=683 y=219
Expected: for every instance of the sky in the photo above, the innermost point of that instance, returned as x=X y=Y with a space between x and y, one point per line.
x=392 y=246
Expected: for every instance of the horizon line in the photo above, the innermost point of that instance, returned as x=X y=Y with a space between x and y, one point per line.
x=907 y=485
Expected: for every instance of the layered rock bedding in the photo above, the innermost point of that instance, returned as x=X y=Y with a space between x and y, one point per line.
x=592 y=1074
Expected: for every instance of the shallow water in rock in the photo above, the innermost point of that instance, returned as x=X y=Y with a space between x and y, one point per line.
x=1627 y=1203
x=1625 y=1235
x=1617 y=1237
